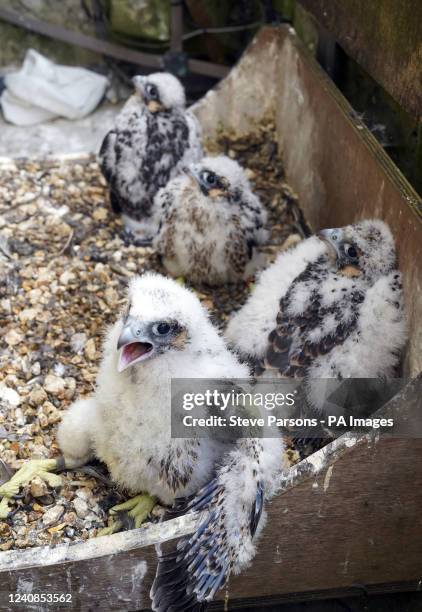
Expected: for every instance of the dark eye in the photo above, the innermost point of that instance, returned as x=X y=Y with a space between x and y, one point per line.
x=152 y=91
x=161 y=329
x=209 y=178
x=350 y=251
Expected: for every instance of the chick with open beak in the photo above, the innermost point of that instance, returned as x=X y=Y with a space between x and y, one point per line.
x=134 y=344
x=140 y=341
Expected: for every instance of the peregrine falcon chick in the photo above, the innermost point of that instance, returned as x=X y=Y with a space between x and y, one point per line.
x=155 y=136
x=330 y=308
x=165 y=333
x=210 y=223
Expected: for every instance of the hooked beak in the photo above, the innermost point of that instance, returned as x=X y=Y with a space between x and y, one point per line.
x=154 y=106
x=334 y=238
x=133 y=345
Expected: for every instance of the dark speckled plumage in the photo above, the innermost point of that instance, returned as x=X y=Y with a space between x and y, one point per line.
x=144 y=151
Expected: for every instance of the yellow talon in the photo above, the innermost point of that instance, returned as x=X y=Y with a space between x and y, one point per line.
x=35 y=467
x=114 y=527
x=4 y=508
x=138 y=508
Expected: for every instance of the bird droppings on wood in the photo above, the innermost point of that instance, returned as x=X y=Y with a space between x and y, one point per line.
x=63 y=274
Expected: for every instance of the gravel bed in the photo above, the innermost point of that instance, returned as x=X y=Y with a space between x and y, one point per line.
x=63 y=273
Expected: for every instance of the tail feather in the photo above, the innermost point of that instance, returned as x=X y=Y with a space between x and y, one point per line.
x=230 y=509
x=200 y=564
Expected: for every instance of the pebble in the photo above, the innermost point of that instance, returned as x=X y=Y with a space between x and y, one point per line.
x=52 y=515
x=90 y=350
x=37 y=396
x=56 y=299
x=38 y=488
x=28 y=314
x=36 y=368
x=9 y=396
x=100 y=214
x=54 y=385
x=13 y=337
x=52 y=413
x=81 y=507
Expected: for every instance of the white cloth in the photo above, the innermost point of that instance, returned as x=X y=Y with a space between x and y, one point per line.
x=42 y=90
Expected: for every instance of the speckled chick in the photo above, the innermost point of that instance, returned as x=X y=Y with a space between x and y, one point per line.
x=165 y=333
x=154 y=137
x=330 y=307
x=210 y=223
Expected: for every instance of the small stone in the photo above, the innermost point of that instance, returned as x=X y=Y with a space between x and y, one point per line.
x=84 y=493
x=43 y=420
x=66 y=277
x=38 y=487
x=28 y=314
x=52 y=515
x=100 y=214
x=54 y=385
x=35 y=295
x=70 y=387
x=90 y=350
x=13 y=337
x=57 y=528
x=9 y=396
x=81 y=507
x=111 y=296
x=6 y=306
x=37 y=396
x=36 y=368
x=53 y=415
x=4 y=530
x=37 y=508
x=69 y=518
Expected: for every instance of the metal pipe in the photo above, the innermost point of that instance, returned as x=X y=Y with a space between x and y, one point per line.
x=104 y=47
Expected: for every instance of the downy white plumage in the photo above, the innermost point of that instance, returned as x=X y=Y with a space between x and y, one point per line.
x=210 y=223
x=165 y=333
x=330 y=308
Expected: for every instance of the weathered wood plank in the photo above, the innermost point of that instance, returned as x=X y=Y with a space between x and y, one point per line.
x=342 y=174
x=332 y=160
x=384 y=37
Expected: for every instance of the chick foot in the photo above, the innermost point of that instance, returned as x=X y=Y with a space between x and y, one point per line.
x=36 y=467
x=137 y=508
